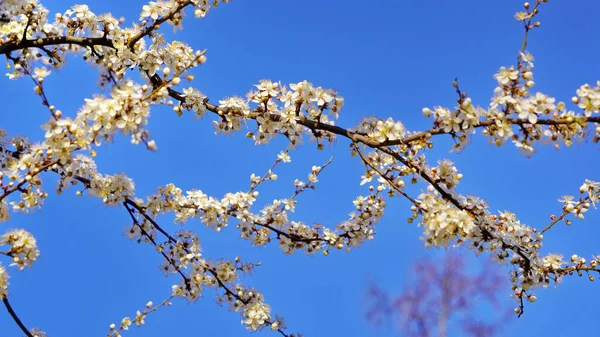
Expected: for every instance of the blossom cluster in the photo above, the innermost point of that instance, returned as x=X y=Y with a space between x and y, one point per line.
x=280 y=110
x=538 y=115
x=22 y=247
x=517 y=115
x=442 y=222
x=259 y=227
x=588 y=99
x=589 y=194
x=121 y=48
x=462 y=119
x=275 y=108
x=98 y=120
x=381 y=130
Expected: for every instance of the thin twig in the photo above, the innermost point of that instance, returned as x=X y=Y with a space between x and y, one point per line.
x=16 y=318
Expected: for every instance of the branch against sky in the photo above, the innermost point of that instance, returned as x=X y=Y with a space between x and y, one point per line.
x=444 y=297
x=35 y=45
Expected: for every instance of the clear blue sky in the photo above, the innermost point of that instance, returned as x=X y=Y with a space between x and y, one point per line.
x=387 y=58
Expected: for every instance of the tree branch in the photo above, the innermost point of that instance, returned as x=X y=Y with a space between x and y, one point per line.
x=55 y=40
x=14 y=316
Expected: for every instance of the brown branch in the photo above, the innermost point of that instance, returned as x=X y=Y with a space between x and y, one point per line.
x=527 y=25
x=212 y=271
x=55 y=40
x=157 y=23
x=15 y=317
x=357 y=138
x=556 y=220
x=14 y=154
x=147 y=235
x=384 y=176
x=26 y=26
x=488 y=122
x=39 y=84
x=33 y=174
x=311 y=124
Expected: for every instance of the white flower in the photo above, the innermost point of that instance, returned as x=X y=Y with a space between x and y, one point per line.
x=125 y=323
x=40 y=73
x=3 y=282
x=553 y=261
x=284 y=157
x=255 y=315
x=505 y=76
x=4 y=211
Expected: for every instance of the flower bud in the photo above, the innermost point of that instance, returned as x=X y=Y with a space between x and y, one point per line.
x=574 y=258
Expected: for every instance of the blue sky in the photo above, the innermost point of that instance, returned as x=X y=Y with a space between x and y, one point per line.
x=387 y=58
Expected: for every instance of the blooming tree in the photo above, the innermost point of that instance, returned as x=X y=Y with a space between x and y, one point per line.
x=444 y=297
x=140 y=69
